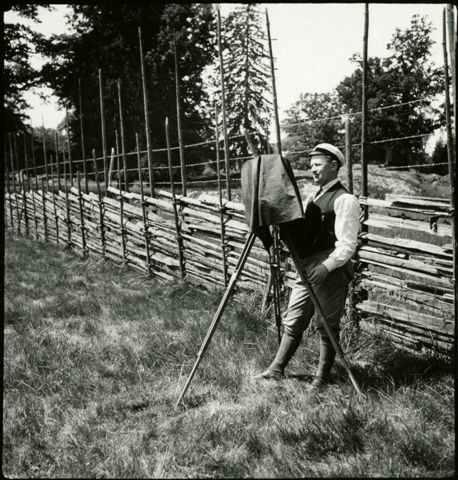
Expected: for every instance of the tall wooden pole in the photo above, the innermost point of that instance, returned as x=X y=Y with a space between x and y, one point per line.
x=146 y=233
x=102 y=124
x=145 y=110
x=45 y=155
x=43 y=200
x=174 y=200
x=83 y=143
x=450 y=154
x=220 y=199
x=69 y=148
x=178 y=108
x=56 y=144
x=68 y=221
x=7 y=173
x=364 y=116
x=24 y=189
x=80 y=205
x=56 y=218
x=348 y=157
x=276 y=239
x=452 y=34
x=34 y=162
x=123 y=138
x=13 y=170
x=101 y=210
x=223 y=105
x=274 y=88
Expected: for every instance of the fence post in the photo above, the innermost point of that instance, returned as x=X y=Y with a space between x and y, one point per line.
x=223 y=105
x=174 y=201
x=450 y=154
x=101 y=211
x=34 y=161
x=67 y=210
x=7 y=172
x=220 y=199
x=80 y=204
x=452 y=38
x=364 y=191
x=145 y=110
x=83 y=147
x=121 y=205
x=123 y=138
x=54 y=201
x=102 y=122
x=24 y=190
x=43 y=200
x=69 y=148
x=180 y=137
x=348 y=156
x=145 y=223
x=56 y=146
x=13 y=169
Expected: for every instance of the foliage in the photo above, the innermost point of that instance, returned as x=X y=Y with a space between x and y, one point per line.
x=18 y=74
x=109 y=31
x=312 y=119
x=95 y=356
x=247 y=79
x=440 y=156
x=405 y=75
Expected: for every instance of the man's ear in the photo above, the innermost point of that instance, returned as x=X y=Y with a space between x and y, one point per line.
x=336 y=164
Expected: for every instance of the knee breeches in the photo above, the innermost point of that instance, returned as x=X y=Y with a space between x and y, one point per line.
x=331 y=295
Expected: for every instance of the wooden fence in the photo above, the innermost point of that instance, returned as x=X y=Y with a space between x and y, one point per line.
x=405 y=282
x=407 y=273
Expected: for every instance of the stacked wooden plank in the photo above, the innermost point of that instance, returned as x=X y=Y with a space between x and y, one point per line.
x=407 y=276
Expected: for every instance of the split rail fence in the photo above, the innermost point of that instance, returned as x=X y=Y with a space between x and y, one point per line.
x=405 y=283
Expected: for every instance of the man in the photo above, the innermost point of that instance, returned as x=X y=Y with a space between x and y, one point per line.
x=325 y=260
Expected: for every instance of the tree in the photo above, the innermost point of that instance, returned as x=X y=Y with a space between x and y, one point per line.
x=404 y=76
x=18 y=73
x=439 y=156
x=314 y=118
x=246 y=75
x=109 y=31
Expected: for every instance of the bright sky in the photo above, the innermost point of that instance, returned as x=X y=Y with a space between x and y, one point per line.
x=313 y=44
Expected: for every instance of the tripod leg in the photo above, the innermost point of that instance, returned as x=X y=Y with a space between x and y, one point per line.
x=316 y=302
x=276 y=280
x=241 y=262
x=265 y=298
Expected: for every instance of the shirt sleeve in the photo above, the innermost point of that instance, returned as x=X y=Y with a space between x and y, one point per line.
x=346 y=228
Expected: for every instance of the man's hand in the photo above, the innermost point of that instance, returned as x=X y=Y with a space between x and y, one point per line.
x=318 y=274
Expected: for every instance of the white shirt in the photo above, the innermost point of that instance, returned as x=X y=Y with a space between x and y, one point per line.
x=346 y=227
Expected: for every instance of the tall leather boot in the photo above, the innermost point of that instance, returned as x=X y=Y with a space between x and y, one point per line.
x=286 y=350
x=327 y=356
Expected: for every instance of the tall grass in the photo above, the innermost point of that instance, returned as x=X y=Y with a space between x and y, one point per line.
x=95 y=356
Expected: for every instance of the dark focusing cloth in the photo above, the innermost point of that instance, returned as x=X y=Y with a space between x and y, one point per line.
x=271 y=197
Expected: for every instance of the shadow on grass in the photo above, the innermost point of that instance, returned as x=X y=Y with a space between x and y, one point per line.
x=401 y=367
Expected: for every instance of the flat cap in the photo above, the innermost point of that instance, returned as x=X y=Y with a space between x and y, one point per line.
x=328 y=149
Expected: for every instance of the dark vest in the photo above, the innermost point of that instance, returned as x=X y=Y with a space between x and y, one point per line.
x=326 y=238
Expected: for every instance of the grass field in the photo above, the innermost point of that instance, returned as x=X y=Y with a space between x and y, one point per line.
x=95 y=356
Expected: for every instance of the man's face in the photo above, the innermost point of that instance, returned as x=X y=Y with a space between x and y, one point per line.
x=323 y=169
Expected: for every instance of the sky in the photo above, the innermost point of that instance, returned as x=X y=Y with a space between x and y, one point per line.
x=312 y=45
